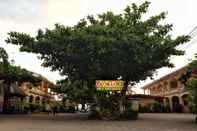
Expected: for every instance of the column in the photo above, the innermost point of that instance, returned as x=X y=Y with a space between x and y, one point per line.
x=170 y=102
x=181 y=100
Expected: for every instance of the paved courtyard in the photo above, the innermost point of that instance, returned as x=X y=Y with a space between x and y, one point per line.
x=78 y=122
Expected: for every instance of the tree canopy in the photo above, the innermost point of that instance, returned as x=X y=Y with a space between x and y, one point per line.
x=10 y=73
x=106 y=46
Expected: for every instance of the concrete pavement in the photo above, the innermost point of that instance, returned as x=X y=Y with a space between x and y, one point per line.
x=79 y=122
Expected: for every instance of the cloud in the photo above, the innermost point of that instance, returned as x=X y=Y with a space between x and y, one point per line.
x=21 y=9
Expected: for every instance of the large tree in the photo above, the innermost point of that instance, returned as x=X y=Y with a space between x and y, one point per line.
x=107 y=46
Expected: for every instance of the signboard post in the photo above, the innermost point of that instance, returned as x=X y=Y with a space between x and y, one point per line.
x=105 y=86
x=109 y=85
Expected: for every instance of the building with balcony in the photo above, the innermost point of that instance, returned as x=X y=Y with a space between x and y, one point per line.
x=171 y=89
x=23 y=97
x=36 y=94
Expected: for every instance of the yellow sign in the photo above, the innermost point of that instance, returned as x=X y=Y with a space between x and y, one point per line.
x=109 y=85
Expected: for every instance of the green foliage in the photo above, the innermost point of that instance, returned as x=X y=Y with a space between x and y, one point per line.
x=108 y=107
x=192 y=87
x=191 y=69
x=189 y=79
x=3 y=59
x=3 y=56
x=109 y=102
x=157 y=107
x=76 y=90
x=106 y=46
x=10 y=73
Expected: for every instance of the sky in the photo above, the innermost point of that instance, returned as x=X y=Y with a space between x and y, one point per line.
x=30 y=15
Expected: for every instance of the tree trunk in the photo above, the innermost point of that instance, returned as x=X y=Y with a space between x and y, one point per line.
x=195 y=99
x=6 y=87
x=83 y=106
x=123 y=97
x=91 y=84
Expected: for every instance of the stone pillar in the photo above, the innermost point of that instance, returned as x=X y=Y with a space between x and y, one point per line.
x=170 y=102
x=181 y=100
x=41 y=98
x=168 y=86
x=164 y=102
x=27 y=99
x=34 y=99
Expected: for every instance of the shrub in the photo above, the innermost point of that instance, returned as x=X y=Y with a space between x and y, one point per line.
x=157 y=107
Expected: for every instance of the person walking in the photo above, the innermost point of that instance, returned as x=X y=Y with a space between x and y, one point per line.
x=48 y=108
x=54 y=108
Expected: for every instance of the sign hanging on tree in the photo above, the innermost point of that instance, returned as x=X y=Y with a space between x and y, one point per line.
x=109 y=85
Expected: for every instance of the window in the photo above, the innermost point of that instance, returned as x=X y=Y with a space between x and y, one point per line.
x=173 y=84
x=31 y=99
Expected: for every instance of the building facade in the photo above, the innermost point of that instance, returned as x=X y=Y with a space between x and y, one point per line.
x=25 y=97
x=172 y=90
x=36 y=94
x=147 y=102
